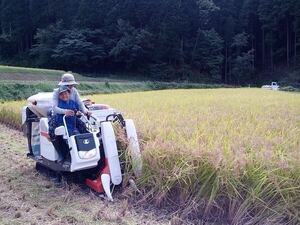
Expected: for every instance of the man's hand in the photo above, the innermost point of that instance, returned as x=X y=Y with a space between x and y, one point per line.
x=88 y=113
x=69 y=112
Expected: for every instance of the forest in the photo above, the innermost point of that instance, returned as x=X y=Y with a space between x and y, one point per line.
x=229 y=41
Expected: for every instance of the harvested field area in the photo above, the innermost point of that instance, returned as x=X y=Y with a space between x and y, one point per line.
x=27 y=197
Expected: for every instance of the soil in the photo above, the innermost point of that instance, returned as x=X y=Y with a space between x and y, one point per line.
x=28 y=197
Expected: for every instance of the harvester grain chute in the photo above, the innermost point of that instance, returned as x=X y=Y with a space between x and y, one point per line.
x=94 y=155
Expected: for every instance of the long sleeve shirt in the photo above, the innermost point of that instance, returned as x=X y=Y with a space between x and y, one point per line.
x=74 y=96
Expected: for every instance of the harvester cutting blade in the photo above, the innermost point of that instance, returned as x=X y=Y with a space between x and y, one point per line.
x=105 y=179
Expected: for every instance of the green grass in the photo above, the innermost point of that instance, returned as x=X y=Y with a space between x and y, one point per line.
x=19 y=83
x=24 y=70
x=23 y=90
x=10 y=74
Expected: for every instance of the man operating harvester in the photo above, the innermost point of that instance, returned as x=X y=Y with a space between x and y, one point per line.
x=66 y=101
x=68 y=80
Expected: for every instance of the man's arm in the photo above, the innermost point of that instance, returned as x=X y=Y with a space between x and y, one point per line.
x=78 y=101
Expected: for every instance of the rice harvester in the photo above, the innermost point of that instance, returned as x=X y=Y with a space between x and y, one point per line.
x=94 y=155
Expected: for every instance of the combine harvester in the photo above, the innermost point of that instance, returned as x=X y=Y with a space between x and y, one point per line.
x=94 y=155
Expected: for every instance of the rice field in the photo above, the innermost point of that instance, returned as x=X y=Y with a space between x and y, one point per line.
x=223 y=155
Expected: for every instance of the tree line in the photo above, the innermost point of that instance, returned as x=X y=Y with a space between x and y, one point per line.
x=230 y=41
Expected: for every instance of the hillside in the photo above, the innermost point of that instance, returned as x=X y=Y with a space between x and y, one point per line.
x=19 y=83
x=27 y=74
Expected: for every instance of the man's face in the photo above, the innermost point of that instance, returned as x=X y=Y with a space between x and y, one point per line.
x=70 y=86
x=64 y=96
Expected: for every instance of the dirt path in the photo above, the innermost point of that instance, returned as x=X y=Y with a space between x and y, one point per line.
x=27 y=197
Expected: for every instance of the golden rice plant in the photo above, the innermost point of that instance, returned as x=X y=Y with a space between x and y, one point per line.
x=231 y=154
x=10 y=114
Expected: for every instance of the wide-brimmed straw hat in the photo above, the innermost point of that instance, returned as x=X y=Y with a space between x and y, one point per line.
x=67 y=79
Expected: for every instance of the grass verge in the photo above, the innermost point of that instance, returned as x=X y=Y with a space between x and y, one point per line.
x=24 y=70
x=18 y=91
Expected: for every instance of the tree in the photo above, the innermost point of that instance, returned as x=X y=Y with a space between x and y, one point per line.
x=87 y=14
x=15 y=25
x=295 y=12
x=216 y=40
x=133 y=46
x=242 y=68
x=74 y=50
x=208 y=57
x=47 y=40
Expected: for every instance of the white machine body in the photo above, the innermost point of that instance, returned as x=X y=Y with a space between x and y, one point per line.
x=84 y=148
x=111 y=152
x=47 y=149
x=84 y=159
x=102 y=114
x=80 y=159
